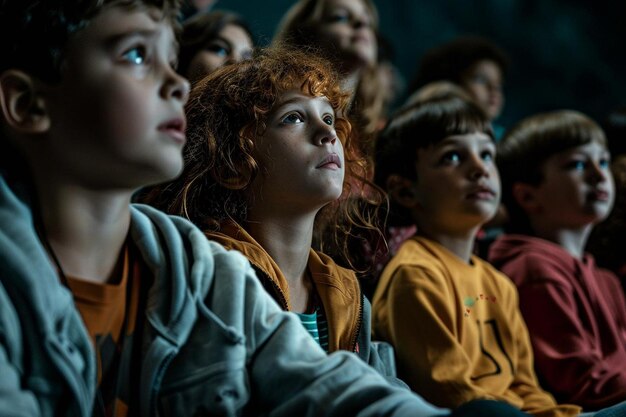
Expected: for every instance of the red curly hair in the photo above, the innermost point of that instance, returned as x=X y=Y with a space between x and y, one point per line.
x=227 y=111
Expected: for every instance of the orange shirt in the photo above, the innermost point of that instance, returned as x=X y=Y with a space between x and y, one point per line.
x=107 y=309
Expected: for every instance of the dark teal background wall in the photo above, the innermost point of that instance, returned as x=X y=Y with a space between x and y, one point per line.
x=565 y=54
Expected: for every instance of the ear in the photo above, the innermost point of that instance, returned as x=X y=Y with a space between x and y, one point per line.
x=526 y=196
x=402 y=191
x=22 y=103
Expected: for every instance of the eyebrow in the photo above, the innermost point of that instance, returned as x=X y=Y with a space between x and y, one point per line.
x=453 y=141
x=300 y=99
x=116 y=38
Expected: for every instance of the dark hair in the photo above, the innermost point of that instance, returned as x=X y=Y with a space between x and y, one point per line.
x=526 y=147
x=201 y=29
x=227 y=112
x=34 y=33
x=420 y=125
x=450 y=60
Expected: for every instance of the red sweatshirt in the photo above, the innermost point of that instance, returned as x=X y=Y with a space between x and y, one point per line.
x=576 y=317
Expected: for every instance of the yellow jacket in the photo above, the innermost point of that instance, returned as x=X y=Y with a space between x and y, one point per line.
x=346 y=309
x=458 y=331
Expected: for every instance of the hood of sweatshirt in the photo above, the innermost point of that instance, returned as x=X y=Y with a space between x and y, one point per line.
x=523 y=253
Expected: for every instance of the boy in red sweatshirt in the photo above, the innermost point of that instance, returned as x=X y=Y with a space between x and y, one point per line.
x=556 y=186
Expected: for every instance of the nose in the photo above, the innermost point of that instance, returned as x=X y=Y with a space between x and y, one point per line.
x=175 y=86
x=359 y=22
x=325 y=134
x=478 y=168
x=597 y=173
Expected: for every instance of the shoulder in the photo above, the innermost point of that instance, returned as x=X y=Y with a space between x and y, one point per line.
x=174 y=242
x=496 y=278
x=539 y=260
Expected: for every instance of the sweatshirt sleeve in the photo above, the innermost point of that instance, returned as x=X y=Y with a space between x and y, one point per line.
x=430 y=358
x=377 y=354
x=291 y=375
x=15 y=401
x=536 y=401
x=569 y=361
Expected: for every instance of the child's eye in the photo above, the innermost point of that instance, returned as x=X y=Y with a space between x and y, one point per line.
x=339 y=17
x=451 y=157
x=487 y=156
x=605 y=163
x=136 y=55
x=218 y=49
x=292 y=118
x=577 y=165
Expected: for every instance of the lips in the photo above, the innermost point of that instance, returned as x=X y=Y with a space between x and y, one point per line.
x=482 y=193
x=175 y=128
x=331 y=161
x=599 y=195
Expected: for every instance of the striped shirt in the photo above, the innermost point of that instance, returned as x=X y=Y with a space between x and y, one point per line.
x=315 y=323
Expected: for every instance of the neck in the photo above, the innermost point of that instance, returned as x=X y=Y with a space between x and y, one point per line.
x=572 y=240
x=461 y=244
x=288 y=241
x=85 y=228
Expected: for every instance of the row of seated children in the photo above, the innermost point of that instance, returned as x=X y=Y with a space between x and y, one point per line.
x=472 y=63
x=467 y=337
x=108 y=308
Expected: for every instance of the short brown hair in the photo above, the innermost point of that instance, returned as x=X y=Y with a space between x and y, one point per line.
x=524 y=150
x=423 y=123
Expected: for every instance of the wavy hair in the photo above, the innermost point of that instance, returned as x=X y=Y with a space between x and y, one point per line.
x=227 y=111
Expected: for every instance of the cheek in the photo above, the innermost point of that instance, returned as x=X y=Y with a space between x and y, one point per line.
x=478 y=92
x=203 y=64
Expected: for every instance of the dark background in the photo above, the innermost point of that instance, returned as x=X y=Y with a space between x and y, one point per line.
x=564 y=54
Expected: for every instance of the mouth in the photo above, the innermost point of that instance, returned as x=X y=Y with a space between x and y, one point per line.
x=482 y=193
x=331 y=161
x=174 y=128
x=599 y=195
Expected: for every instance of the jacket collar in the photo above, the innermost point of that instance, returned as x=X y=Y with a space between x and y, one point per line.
x=338 y=288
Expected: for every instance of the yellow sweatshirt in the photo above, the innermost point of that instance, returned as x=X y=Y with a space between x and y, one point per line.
x=458 y=331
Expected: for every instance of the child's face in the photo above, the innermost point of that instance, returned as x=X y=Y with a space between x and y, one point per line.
x=117 y=116
x=301 y=157
x=577 y=188
x=483 y=81
x=231 y=45
x=346 y=27
x=457 y=187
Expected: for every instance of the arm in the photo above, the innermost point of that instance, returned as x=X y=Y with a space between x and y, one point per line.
x=290 y=375
x=378 y=355
x=536 y=400
x=14 y=400
x=422 y=329
x=569 y=359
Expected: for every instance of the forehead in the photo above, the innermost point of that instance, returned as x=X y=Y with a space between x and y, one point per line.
x=353 y=5
x=116 y=20
x=235 y=33
x=591 y=149
x=468 y=139
x=486 y=66
x=298 y=97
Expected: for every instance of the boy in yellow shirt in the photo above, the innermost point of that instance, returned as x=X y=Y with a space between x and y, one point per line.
x=453 y=319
